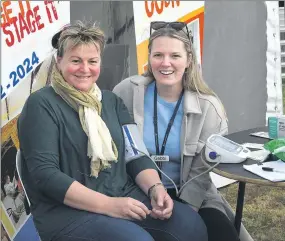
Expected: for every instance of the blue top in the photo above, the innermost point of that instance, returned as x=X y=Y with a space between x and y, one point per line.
x=172 y=149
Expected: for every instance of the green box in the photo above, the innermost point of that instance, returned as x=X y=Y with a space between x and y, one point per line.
x=273 y=127
x=276 y=127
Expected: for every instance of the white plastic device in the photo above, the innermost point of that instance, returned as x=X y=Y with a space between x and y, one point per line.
x=223 y=150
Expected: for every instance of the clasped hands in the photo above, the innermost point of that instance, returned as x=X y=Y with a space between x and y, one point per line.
x=161 y=202
x=132 y=209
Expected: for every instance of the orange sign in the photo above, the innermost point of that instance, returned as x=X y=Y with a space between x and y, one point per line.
x=158 y=6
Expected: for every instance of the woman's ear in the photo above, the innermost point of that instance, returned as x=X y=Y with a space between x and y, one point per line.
x=58 y=59
x=58 y=62
x=189 y=60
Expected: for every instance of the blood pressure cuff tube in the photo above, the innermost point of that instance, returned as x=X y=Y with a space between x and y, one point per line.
x=134 y=145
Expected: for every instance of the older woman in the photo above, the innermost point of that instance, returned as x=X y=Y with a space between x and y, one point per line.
x=73 y=150
x=176 y=112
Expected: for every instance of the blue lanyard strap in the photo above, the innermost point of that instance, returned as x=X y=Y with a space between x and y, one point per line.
x=169 y=124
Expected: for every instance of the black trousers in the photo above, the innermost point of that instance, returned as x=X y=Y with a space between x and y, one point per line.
x=219 y=227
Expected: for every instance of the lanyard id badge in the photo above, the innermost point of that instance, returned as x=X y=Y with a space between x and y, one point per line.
x=160 y=153
x=160 y=158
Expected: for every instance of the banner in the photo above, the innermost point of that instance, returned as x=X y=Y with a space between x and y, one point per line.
x=190 y=12
x=274 y=104
x=27 y=28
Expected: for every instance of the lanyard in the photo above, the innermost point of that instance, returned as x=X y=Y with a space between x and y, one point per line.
x=169 y=124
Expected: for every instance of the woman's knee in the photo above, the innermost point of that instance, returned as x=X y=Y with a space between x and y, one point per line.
x=129 y=231
x=144 y=236
x=218 y=225
x=104 y=228
x=138 y=236
x=191 y=224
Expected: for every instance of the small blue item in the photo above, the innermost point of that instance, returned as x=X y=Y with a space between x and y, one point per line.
x=213 y=155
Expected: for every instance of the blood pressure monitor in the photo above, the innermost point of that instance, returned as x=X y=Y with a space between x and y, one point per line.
x=223 y=150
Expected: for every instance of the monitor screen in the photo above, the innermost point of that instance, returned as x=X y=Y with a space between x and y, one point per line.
x=225 y=144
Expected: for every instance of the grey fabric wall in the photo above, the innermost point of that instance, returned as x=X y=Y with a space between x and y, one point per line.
x=117 y=21
x=234 y=59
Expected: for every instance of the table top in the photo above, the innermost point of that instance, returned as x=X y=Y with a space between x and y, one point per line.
x=236 y=171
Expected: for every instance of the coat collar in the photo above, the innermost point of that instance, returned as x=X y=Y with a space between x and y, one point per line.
x=141 y=80
x=191 y=103
x=191 y=100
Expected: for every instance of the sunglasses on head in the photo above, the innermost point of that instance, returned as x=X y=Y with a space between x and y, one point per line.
x=55 y=38
x=178 y=26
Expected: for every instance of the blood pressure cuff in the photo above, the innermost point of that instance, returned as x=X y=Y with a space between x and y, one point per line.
x=134 y=145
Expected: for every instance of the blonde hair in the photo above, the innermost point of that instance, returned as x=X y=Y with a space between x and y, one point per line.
x=192 y=79
x=80 y=34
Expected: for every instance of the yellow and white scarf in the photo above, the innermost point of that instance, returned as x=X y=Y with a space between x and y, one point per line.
x=101 y=147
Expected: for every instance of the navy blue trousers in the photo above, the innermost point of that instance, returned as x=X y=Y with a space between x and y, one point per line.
x=184 y=225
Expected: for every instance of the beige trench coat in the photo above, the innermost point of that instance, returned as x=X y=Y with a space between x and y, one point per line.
x=203 y=116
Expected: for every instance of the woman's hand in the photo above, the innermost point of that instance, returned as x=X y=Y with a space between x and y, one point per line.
x=80 y=197
x=161 y=202
x=126 y=208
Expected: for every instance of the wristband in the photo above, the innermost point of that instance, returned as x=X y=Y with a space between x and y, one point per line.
x=152 y=187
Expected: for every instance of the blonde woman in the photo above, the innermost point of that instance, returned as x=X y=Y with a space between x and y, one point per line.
x=176 y=112
x=73 y=150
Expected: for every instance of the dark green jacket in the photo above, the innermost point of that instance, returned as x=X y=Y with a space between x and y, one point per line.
x=54 y=151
